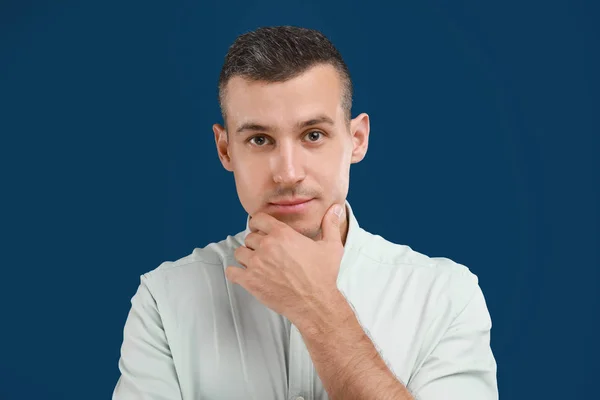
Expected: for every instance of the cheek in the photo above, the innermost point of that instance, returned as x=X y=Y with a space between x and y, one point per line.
x=244 y=168
x=343 y=180
x=334 y=175
x=343 y=173
x=249 y=183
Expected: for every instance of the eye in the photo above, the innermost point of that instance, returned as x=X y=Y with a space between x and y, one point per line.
x=260 y=142
x=314 y=136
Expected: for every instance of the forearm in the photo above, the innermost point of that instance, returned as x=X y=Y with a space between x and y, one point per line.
x=344 y=356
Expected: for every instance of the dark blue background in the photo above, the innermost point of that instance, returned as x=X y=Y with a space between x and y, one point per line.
x=484 y=149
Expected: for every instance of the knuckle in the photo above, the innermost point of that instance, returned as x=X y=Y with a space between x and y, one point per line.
x=267 y=243
x=253 y=259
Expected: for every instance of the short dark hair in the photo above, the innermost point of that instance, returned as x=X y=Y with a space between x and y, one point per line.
x=279 y=53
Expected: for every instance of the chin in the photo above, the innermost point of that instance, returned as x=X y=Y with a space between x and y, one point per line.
x=309 y=229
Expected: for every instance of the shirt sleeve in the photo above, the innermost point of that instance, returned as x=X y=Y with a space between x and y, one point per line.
x=146 y=364
x=461 y=366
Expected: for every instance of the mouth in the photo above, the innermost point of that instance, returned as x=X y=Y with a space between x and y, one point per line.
x=291 y=206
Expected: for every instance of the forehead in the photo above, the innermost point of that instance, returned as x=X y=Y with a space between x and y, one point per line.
x=316 y=91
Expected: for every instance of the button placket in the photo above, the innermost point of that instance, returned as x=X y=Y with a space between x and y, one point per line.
x=300 y=368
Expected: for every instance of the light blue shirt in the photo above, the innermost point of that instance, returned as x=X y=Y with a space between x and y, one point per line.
x=191 y=334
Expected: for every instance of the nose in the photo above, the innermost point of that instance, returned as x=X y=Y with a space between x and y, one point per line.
x=287 y=164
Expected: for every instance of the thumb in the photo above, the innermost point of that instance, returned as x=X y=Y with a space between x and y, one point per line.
x=330 y=226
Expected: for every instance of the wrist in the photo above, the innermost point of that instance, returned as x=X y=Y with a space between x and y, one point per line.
x=325 y=316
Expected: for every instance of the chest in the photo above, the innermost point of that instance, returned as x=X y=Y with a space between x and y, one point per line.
x=230 y=346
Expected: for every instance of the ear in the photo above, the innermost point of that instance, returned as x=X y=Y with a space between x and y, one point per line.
x=359 y=128
x=222 y=142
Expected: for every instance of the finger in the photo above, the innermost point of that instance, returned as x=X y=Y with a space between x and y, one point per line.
x=263 y=222
x=253 y=240
x=242 y=255
x=235 y=274
x=330 y=226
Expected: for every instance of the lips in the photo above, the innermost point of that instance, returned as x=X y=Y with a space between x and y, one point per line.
x=290 y=206
x=290 y=202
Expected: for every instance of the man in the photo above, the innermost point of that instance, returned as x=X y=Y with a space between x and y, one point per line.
x=304 y=303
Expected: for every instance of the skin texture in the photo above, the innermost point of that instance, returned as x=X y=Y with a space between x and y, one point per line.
x=291 y=261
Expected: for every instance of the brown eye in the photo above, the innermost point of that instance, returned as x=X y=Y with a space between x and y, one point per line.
x=259 y=143
x=314 y=136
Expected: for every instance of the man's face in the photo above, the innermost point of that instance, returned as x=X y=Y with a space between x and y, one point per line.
x=288 y=141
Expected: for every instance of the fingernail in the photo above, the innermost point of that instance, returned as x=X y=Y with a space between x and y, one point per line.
x=337 y=210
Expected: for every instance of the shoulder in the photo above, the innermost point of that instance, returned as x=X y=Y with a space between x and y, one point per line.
x=440 y=277
x=211 y=259
x=384 y=251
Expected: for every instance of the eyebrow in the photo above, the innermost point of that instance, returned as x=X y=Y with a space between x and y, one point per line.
x=252 y=126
